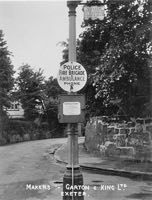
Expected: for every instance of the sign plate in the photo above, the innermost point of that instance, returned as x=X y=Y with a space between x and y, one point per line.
x=94 y=12
x=72 y=76
x=71 y=108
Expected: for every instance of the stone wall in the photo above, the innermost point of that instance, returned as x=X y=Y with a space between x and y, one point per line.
x=129 y=140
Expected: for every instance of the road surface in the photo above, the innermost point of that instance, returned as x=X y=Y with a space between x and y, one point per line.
x=28 y=171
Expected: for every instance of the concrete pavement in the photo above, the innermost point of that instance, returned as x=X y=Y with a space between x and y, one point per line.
x=124 y=168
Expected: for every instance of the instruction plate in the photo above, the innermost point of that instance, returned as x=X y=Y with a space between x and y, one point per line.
x=71 y=108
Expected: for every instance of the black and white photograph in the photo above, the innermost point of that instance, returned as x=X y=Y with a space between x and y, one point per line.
x=76 y=100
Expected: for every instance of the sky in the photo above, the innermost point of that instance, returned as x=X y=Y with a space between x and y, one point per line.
x=33 y=29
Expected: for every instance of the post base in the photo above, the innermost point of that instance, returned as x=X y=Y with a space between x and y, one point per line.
x=73 y=190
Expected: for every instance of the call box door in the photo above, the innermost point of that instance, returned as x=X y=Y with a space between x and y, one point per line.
x=71 y=108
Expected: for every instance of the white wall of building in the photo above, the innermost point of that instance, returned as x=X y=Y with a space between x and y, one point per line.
x=16 y=110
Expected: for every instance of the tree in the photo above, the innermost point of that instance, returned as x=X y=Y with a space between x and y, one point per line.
x=6 y=79
x=30 y=90
x=6 y=74
x=65 y=51
x=123 y=76
x=116 y=53
x=52 y=90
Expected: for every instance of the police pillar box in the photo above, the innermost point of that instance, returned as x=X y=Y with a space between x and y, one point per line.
x=71 y=110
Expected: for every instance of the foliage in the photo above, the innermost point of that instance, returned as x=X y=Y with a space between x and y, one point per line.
x=18 y=127
x=116 y=53
x=123 y=75
x=52 y=91
x=20 y=130
x=34 y=91
x=6 y=81
x=30 y=90
x=6 y=73
x=65 y=51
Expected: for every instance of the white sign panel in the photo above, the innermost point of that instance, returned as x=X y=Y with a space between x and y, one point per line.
x=71 y=108
x=72 y=77
x=94 y=12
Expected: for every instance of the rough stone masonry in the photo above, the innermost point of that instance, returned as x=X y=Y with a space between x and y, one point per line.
x=128 y=140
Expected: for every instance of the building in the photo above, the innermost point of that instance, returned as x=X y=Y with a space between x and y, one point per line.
x=16 y=110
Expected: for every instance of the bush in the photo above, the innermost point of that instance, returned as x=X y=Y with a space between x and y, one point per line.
x=17 y=127
x=18 y=130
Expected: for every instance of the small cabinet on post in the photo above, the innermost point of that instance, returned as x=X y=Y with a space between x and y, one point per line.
x=71 y=108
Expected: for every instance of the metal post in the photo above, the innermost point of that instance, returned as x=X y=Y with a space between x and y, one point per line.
x=72 y=176
x=72 y=29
